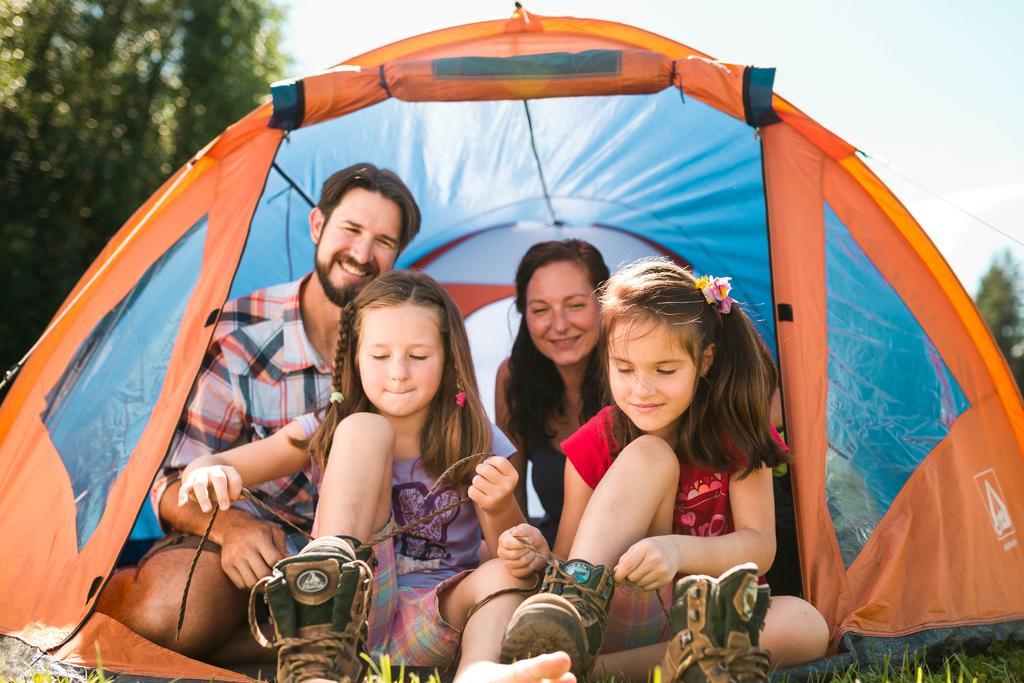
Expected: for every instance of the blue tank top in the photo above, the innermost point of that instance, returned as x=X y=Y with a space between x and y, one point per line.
x=547 y=478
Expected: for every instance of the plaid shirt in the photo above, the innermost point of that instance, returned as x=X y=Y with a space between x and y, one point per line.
x=260 y=372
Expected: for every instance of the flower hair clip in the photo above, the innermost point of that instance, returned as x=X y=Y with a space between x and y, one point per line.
x=716 y=292
x=337 y=397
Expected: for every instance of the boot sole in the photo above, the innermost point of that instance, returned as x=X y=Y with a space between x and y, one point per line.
x=541 y=629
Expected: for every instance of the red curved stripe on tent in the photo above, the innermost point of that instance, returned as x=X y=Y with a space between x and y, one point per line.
x=661 y=249
x=426 y=260
x=471 y=298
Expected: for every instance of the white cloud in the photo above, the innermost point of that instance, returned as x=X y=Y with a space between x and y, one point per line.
x=956 y=219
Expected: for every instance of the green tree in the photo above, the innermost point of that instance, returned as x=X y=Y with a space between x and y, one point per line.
x=999 y=301
x=99 y=103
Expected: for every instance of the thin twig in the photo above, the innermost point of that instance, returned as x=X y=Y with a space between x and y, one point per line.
x=251 y=497
x=191 y=571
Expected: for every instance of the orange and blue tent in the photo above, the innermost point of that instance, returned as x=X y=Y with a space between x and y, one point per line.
x=905 y=425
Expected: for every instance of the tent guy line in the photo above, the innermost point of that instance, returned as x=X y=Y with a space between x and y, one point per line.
x=939 y=196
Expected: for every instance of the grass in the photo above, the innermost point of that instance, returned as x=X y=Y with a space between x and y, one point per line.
x=1000 y=662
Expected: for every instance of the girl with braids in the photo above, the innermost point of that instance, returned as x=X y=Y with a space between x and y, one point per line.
x=673 y=479
x=552 y=382
x=406 y=492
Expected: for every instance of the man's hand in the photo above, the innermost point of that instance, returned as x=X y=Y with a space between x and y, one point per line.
x=494 y=484
x=249 y=547
x=521 y=561
x=649 y=564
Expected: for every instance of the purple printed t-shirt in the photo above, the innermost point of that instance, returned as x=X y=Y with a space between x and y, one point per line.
x=441 y=547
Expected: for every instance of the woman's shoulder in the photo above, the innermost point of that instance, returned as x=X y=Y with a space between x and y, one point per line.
x=501 y=381
x=504 y=370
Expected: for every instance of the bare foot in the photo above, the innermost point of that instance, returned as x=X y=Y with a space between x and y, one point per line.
x=552 y=667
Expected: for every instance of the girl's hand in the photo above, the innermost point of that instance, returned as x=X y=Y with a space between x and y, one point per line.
x=224 y=479
x=494 y=484
x=649 y=564
x=520 y=560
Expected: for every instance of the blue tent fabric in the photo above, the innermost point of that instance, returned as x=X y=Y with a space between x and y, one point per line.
x=683 y=175
x=97 y=412
x=891 y=398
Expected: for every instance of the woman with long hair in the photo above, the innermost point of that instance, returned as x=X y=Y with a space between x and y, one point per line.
x=552 y=382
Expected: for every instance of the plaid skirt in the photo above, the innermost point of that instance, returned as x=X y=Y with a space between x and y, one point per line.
x=637 y=618
x=405 y=621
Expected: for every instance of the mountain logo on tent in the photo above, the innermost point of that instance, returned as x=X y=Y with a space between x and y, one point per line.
x=311 y=581
x=995 y=502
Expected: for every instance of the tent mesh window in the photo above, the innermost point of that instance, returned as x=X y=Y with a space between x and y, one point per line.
x=98 y=410
x=881 y=423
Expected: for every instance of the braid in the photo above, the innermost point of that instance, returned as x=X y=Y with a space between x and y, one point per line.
x=345 y=320
x=319 y=445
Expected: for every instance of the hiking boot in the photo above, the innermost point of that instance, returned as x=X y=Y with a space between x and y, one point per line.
x=318 y=602
x=569 y=614
x=716 y=625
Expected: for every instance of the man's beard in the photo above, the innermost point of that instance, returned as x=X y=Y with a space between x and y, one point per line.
x=340 y=296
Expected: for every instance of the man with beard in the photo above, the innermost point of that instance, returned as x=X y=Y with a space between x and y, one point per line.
x=270 y=362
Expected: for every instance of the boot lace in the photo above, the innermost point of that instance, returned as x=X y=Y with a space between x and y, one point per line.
x=741 y=664
x=321 y=656
x=589 y=602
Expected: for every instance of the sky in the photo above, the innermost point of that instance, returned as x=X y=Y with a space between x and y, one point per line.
x=930 y=90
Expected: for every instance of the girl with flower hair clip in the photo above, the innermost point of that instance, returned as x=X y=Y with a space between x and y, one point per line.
x=673 y=479
x=403 y=443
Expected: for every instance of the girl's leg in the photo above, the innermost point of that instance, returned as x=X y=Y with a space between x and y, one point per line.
x=633 y=500
x=794 y=632
x=327 y=575
x=359 y=463
x=482 y=632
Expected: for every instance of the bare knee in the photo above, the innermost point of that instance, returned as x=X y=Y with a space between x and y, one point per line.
x=795 y=632
x=366 y=428
x=493 y=576
x=118 y=595
x=151 y=604
x=653 y=454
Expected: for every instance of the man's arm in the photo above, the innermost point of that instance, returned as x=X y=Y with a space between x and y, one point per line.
x=249 y=547
x=214 y=422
